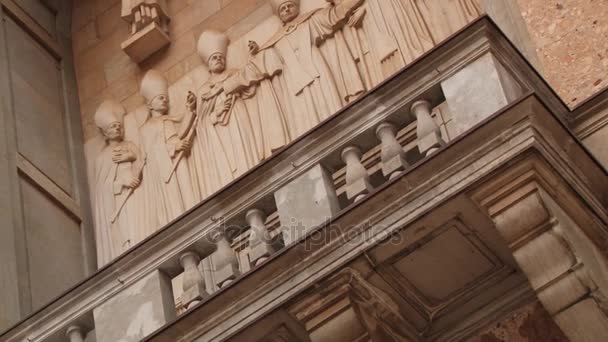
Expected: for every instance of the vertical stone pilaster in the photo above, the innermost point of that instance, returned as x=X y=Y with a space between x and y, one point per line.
x=306 y=202
x=477 y=91
x=137 y=311
x=563 y=265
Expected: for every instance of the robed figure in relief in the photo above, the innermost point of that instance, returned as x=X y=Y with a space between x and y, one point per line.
x=230 y=135
x=118 y=169
x=314 y=87
x=157 y=134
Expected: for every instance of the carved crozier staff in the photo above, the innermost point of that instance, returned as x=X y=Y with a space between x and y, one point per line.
x=131 y=190
x=188 y=132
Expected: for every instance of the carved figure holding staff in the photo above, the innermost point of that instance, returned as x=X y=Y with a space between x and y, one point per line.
x=158 y=136
x=303 y=42
x=225 y=145
x=118 y=170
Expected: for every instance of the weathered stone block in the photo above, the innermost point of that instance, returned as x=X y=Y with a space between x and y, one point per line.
x=477 y=91
x=145 y=42
x=306 y=202
x=137 y=311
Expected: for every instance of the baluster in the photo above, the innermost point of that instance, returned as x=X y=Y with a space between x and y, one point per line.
x=357 y=179
x=226 y=263
x=260 y=246
x=193 y=282
x=74 y=333
x=392 y=154
x=429 y=134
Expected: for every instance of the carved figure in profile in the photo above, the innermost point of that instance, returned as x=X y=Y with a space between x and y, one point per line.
x=118 y=170
x=164 y=198
x=139 y=13
x=314 y=86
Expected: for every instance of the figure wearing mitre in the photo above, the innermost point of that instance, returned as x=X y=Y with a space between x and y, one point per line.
x=118 y=170
x=225 y=145
x=166 y=194
x=310 y=78
x=139 y=13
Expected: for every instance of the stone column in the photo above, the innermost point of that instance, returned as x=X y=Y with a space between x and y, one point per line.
x=137 y=311
x=193 y=282
x=306 y=202
x=260 y=246
x=477 y=91
x=75 y=334
x=563 y=265
x=357 y=178
x=392 y=154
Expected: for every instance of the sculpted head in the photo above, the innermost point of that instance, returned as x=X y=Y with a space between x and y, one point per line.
x=108 y=118
x=212 y=47
x=286 y=10
x=155 y=89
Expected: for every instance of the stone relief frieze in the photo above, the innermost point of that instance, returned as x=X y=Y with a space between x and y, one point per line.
x=219 y=125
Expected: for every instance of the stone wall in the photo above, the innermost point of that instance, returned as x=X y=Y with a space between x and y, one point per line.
x=571 y=37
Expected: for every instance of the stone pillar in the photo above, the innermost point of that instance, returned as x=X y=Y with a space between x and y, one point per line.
x=563 y=265
x=357 y=178
x=392 y=154
x=260 y=246
x=75 y=334
x=477 y=91
x=306 y=202
x=225 y=262
x=428 y=133
x=193 y=282
x=137 y=311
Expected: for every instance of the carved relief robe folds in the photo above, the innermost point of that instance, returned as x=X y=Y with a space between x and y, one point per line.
x=224 y=145
x=157 y=135
x=116 y=167
x=113 y=238
x=308 y=81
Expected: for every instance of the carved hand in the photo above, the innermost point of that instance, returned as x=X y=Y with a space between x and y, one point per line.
x=228 y=103
x=254 y=48
x=183 y=145
x=132 y=182
x=191 y=101
x=121 y=156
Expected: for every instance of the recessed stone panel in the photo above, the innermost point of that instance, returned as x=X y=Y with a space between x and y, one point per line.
x=444 y=265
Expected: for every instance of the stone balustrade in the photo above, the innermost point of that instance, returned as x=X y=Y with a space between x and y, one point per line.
x=321 y=175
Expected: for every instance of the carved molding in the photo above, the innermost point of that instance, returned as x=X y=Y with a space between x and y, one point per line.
x=564 y=266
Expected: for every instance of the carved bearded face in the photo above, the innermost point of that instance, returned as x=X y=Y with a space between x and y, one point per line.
x=288 y=11
x=217 y=63
x=113 y=132
x=160 y=104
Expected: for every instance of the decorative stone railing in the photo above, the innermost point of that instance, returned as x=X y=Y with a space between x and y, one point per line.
x=319 y=176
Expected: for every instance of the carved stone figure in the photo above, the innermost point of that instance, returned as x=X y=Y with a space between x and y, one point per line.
x=240 y=121
x=156 y=132
x=402 y=20
x=224 y=146
x=118 y=169
x=139 y=13
x=320 y=75
x=444 y=17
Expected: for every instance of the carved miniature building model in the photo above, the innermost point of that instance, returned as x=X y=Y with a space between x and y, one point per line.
x=294 y=170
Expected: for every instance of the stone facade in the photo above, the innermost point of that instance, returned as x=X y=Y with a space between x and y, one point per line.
x=445 y=201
